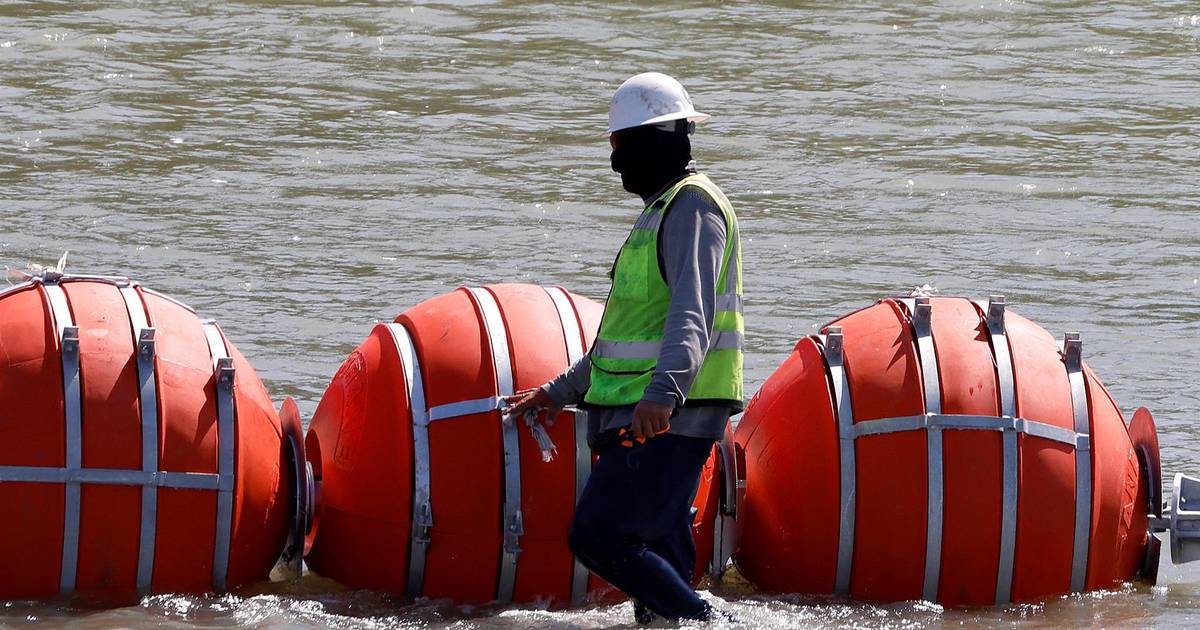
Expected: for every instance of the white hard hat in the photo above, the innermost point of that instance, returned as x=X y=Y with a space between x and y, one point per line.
x=650 y=98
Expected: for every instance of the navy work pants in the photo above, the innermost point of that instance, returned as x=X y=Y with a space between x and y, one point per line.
x=632 y=526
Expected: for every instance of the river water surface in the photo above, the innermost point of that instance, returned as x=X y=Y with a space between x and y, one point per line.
x=301 y=170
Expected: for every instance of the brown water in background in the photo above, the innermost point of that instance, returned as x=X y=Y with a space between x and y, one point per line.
x=300 y=171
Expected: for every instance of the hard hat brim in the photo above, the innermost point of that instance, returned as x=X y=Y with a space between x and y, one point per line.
x=692 y=116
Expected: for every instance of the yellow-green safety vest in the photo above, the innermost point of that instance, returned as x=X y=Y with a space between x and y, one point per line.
x=631 y=331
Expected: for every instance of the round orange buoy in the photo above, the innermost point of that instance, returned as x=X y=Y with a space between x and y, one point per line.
x=140 y=451
x=424 y=489
x=940 y=449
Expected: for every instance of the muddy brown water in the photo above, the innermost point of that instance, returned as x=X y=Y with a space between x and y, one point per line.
x=301 y=170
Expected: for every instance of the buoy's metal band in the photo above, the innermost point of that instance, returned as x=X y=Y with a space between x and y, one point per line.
x=573 y=338
x=422 y=506
x=514 y=527
x=223 y=373
x=115 y=477
x=1073 y=359
x=840 y=383
x=922 y=323
x=967 y=422
x=68 y=336
x=465 y=408
x=1002 y=354
x=144 y=337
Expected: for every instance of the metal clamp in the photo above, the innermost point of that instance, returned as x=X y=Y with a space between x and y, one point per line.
x=514 y=528
x=1073 y=351
x=422 y=523
x=834 y=342
x=225 y=373
x=146 y=343
x=995 y=313
x=70 y=340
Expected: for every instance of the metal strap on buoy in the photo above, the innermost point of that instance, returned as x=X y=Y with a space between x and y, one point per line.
x=148 y=404
x=573 y=337
x=1002 y=355
x=1073 y=360
x=422 y=507
x=513 y=524
x=840 y=387
x=68 y=337
x=922 y=323
x=223 y=373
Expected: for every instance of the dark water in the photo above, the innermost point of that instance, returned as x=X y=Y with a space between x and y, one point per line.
x=301 y=170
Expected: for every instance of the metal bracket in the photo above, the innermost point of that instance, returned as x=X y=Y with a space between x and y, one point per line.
x=834 y=342
x=422 y=523
x=70 y=340
x=1073 y=351
x=922 y=315
x=147 y=343
x=225 y=373
x=995 y=313
x=513 y=530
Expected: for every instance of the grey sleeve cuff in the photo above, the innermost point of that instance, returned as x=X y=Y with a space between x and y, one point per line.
x=662 y=398
x=569 y=387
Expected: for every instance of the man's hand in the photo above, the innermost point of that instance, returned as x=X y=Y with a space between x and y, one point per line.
x=534 y=399
x=650 y=419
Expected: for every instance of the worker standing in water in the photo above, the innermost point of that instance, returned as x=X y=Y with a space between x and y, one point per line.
x=665 y=372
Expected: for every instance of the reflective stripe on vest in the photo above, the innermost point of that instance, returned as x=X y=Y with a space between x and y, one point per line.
x=631 y=332
x=724 y=340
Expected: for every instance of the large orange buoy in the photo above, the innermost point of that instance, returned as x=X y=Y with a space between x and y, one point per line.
x=941 y=449
x=140 y=451
x=424 y=490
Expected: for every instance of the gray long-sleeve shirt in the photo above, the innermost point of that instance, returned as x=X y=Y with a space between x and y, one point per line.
x=690 y=247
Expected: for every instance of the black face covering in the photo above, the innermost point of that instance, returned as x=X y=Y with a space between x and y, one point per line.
x=649 y=158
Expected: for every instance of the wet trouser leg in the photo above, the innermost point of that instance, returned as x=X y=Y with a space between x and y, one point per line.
x=632 y=524
x=678 y=547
